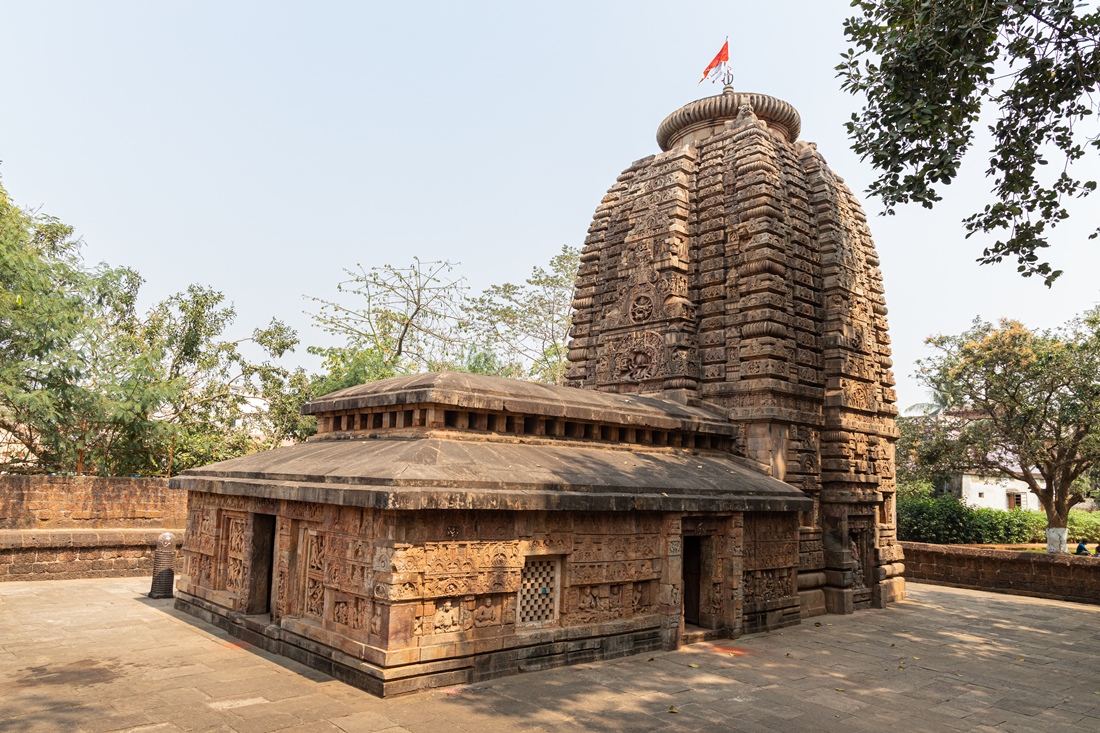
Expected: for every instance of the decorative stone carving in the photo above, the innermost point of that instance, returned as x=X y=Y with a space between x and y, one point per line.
x=761 y=586
x=447 y=618
x=315 y=598
x=486 y=614
x=728 y=295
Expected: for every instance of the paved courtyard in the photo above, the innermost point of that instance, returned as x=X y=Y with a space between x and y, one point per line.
x=96 y=655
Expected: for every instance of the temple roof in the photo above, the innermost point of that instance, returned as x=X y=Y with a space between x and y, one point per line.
x=431 y=462
x=437 y=471
x=481 y=392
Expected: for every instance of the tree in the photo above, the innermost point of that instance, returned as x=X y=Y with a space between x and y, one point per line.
x=217 y=401
x=88 y=385
x=920 y=454
x=1027 y=407
x=72 y=382
x=528 y=325
x=398 y=320
x=930 y=68
x=937 y=405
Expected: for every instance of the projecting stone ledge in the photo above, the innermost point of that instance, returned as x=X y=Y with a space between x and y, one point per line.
x=437 y=472
x=459 y=441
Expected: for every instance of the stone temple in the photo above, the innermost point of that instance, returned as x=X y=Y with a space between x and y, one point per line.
x=722 y=461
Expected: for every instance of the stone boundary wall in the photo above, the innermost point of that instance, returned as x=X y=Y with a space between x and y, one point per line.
x=81 y=553
x=61 y=527
x=89 y=502
x=1060 y=577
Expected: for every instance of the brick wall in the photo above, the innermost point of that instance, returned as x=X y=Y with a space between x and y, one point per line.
x=1061 y=577
x=89 y=502
x=31 y=554
x=55 y=527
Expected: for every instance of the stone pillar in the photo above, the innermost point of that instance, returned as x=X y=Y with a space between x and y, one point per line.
x=670 y=592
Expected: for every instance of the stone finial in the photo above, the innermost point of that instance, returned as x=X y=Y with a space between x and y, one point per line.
x=713 y=112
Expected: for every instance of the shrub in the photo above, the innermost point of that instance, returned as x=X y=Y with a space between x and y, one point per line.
x=946 y=520
x=1014 y=527
x=1084 y=526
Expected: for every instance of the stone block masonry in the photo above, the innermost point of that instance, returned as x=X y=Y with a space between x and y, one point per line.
x=89 y=502
x=1060 y=577
x=720 y=462
x=54 y=527
x=79 y=553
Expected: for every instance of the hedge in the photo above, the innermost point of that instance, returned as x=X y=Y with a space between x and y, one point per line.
x=947 y=521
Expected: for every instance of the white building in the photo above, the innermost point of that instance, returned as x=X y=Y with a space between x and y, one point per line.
x=992 y=492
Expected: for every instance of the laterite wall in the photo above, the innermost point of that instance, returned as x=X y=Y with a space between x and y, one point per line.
x=59 y=527
x=89 y=502
x=1060 y=577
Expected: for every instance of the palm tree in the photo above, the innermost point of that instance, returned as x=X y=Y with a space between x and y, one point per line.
x=940 y=404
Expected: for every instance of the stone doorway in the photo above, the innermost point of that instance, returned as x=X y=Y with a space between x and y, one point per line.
x=262 y=564
x=692 y=573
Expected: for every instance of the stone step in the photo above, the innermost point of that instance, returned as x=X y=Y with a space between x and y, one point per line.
x=695 y=634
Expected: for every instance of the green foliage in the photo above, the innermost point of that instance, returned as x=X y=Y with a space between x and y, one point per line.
x=1012 y=527
x=1027 y=408
x=947 y=521
x=88 y=385
x=929 y=68
x=72 y=378
x=922 y=454
x=915 y=489
x=528 y=325
x=402 y=319
x=1084 y=526
x=943 y=520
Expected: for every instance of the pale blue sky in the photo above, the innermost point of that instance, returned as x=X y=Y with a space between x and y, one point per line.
x=261 y=147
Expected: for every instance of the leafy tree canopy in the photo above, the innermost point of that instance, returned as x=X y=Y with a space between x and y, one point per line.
x=1026 y=407
x=929 y=68
x=528 y=324
x=396 y=320
x=402 y=320
x=89 y=385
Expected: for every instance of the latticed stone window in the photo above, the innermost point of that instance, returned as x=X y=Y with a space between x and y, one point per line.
x=538 y=593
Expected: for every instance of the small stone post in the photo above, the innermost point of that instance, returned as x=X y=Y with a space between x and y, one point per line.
x=164 y=561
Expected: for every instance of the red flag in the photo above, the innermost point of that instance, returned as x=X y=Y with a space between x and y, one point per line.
x=723 y=57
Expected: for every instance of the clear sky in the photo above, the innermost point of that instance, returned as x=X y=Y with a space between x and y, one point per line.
x=261 y=147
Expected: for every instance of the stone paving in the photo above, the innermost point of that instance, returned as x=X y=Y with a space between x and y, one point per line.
x=98 y=656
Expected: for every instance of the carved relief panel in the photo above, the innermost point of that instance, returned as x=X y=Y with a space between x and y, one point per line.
x=312 y=575
x=231 y=558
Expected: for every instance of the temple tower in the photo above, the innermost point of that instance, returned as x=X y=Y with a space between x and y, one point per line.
x=735 y=271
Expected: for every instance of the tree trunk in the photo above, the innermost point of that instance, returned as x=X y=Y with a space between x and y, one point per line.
x=171 y=455
x=1056 y=540
x=1057 y=519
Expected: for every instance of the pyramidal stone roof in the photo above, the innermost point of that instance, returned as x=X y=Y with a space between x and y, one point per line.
x=483 y=392
x=447 y=440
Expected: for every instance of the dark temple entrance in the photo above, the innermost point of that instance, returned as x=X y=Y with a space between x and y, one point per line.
x=262 y=556
x=692 y=567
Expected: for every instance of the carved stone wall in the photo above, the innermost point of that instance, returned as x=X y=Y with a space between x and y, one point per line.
x=735 y=270
x=404 y=587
